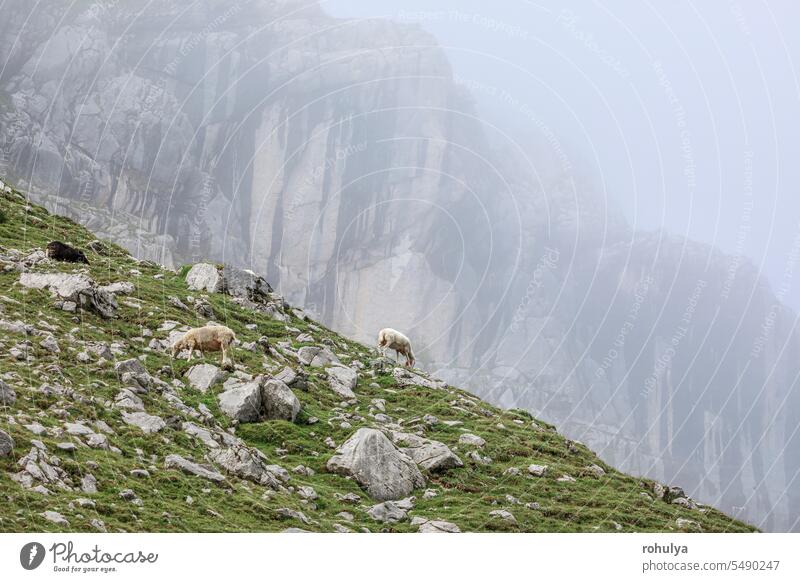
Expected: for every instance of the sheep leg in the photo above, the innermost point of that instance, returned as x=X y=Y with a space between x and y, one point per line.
x=191 y=349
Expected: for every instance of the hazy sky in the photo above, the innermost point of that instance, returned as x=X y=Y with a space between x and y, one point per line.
x=689 y=111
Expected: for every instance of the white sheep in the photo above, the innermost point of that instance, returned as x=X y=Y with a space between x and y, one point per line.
x=392 y=339
x=211 y=338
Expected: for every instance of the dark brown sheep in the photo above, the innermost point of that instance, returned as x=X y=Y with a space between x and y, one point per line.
x=59 y=251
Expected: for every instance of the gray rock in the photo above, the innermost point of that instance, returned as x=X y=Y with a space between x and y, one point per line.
x=89 y=484
x=178 y=462
x=242 y=403
x=147 y=422
x=127 y=400
x=428 y=454
x=55 y=517
x=278 y=402
x=595 y=470
x=204 y=277
x=377 y=465
x=77 y=288
x=317 y=356
x=471 y=439
x=203 y=376
x=434 y=525
x=503 y=514
x=7 y=395
x=249 y=464
x=6 y=444
x=388 y=512
x=342 y=380
x=50 y=344
x=246 y=284
x=687 y=524
x=537 y=470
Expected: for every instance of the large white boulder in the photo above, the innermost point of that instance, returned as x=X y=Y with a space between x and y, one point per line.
x=204 y=277
x=383 y=471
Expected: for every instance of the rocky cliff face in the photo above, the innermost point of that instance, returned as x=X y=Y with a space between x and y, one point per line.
x=341 y=159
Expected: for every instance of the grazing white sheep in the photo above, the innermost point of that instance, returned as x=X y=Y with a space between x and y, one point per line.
x=391 y=339
x=211 y=338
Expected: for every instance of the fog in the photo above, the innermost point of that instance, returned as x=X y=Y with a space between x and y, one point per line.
x=687 y=111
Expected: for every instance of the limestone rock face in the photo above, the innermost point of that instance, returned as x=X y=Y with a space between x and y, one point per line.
x=374 y=462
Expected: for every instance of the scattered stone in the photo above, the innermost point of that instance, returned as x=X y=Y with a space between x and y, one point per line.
x=286 y=513
x=471 y=439
x=390 y=511
x=595 y=470
x=147 y=422
x=6 y=444
x=434 y=525
x=7 y=395
x=537 y=470
x=55 y=517
x=203 y=376
x=503 y=514
x=178 y=462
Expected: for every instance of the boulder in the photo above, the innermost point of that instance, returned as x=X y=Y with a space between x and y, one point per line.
x=342 y=380
x=250 y=464
x=75 y=288
x=246 y=284
x=178 y=462
x=203 y=376
x=537 y=470
x=504 y=515
x=278 y=402
x=317 y=356
x=7 y=395
x=383 y=471
x=429 y=454
x=434 y=525
x=204 y=277
x=389 y=511
x=242 y=403
x=405 y=377
x=147 y=422
x=471 y=439
x=6 y=444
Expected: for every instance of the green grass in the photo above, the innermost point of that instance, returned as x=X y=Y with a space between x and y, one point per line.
x=465 y=495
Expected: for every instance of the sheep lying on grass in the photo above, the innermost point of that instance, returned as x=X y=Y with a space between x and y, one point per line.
x=59 y=251
x=211 y=338
x=392 y=339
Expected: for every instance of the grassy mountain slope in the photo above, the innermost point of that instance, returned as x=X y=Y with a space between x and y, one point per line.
x=84 y=391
